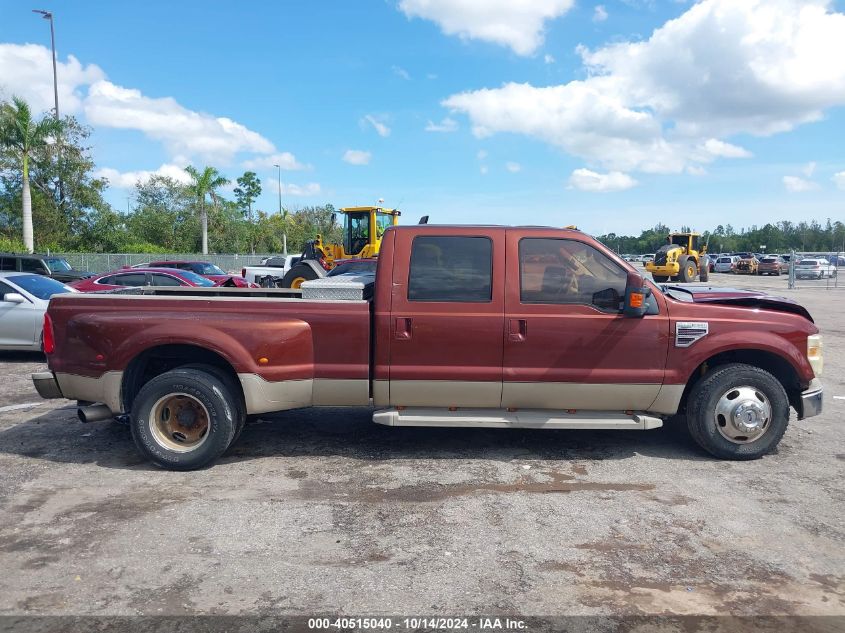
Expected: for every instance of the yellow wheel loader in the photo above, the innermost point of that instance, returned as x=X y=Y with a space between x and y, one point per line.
x=363 y=228
x=682 y=258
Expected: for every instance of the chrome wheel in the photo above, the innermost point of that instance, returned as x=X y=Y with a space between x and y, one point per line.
x=179 y=422
x=743 y=414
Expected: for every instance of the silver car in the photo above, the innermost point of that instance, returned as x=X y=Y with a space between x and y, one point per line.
x=24 y=298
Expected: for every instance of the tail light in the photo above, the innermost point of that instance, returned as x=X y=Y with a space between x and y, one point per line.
x=48 y=338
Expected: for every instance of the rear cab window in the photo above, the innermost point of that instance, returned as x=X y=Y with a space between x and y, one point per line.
x=451 y=269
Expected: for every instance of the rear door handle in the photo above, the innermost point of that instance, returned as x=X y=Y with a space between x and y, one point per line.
x=517 y=330
x=403 y=329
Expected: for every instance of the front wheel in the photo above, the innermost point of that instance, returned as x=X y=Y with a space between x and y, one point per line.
x=738 y=412
x=184 y=419
x=660 y=279
x=297 y=275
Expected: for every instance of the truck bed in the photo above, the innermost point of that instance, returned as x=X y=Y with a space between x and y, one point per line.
x=287 y=351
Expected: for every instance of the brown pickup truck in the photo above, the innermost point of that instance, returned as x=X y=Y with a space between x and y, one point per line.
x=512 y=327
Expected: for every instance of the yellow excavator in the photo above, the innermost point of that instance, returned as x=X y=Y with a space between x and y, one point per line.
x=363 y=228
x=682 y=258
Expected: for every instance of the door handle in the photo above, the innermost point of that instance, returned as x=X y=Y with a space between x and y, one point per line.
x=403 y=329
x=517 y=330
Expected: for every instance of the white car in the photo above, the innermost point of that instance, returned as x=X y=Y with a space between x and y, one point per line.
x=725 y=264
x=812 y=268
x=24 y=298
x=271 y=267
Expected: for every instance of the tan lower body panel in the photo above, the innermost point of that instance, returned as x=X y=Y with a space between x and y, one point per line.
x=262 y=396
x=657 y=398
x=330 y=392
x=105 y=389
x=445 y=393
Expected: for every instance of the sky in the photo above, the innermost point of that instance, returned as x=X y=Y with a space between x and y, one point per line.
x=612 y=116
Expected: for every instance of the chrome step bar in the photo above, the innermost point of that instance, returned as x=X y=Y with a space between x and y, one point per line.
x=522 y=419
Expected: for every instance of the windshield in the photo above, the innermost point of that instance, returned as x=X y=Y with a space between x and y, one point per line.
x=356 y=232
x=57 y=264
x=195 y=279
x=39 y=286
x=204 y=268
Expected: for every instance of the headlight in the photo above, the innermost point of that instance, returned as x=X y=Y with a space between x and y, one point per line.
x=815 y=353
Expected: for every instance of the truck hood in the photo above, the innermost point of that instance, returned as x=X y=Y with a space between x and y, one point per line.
x=735 y=297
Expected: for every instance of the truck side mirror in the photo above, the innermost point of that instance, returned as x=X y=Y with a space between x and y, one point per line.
x=636 y=295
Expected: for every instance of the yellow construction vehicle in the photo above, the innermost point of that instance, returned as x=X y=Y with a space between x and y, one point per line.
x=682 y=258
x=363 y=228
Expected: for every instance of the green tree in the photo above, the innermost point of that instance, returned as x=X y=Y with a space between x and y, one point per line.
x=204 y=183
x=247 y=191
x=24 y=138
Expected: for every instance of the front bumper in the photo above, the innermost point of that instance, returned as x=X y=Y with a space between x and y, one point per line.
x=811 y=400
x=664 y=271
x=46 y=385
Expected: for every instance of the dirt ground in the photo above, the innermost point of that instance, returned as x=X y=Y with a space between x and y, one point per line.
x=322 y=511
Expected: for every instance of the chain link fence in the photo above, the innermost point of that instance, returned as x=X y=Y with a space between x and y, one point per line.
x=826 y=277
x=103 y=262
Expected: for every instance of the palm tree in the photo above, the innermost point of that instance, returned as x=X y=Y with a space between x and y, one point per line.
x=24 y=137
x=204 y=183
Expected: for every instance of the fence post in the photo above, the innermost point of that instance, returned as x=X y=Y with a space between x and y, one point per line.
x=791 y=283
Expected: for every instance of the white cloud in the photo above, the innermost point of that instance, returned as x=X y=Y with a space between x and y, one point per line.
x=26 y=70
x=431 y=76
x=357 y=157
x=446 y=125
x=809 y=169
x=182 y=131
x=549 y=59
x=696 y=170
x=401 y=72
x=285 y=160
x=513 y=167
x=483 y=169
x=839 y=179
x=794 y=184
x=599 y=13
x=378 y=124
x=289 y=189
x=722 y=68
x=587 y=180
x=482 y=154
x=128 y=179
x=720 y=149
x=516 y=24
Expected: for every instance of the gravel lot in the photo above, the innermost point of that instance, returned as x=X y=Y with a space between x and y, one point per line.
x=322 y=511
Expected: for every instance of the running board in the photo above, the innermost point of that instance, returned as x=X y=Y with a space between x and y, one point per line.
x=527 y=419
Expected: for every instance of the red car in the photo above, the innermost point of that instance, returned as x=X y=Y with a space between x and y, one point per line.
x=205 y=269
x=133 y=277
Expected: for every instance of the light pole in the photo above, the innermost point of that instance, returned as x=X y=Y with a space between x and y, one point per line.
x=48 y=15
x=284 y=220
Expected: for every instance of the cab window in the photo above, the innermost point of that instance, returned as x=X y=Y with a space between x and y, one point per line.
x=565 y=271
x=451 y=268
x=130 y=279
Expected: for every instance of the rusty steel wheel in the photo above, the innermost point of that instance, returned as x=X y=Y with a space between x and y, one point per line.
x=179 y=422
x=185 y=418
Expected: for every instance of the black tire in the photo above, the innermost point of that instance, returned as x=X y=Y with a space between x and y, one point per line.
x=234 y=388
x=718 y=382
x=299 y=273
x=688 y=269
x=660 y=279
x=704 y=275
x=197 y=388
